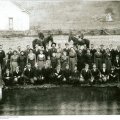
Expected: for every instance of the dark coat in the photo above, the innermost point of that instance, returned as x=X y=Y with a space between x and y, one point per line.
x=28 y=74
x=95 y=73
x=86 y=74
x=2 y=56
x=15 y=74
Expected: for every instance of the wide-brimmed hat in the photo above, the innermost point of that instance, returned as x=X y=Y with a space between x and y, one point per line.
x=53 y=44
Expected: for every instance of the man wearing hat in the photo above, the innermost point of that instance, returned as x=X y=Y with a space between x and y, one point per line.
x=53 y=49
x=66 y=49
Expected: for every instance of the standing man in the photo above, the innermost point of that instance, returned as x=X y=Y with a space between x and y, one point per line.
x=2 y=56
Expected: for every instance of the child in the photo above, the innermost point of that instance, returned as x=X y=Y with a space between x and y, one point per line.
x=86 y=74
x=66 y=74
x=95 y=74
x=54 y=61
x=7 y=77
x=104 y=73
x=28 y=74
x=75 y=76
x=64 y=60
x=58 y=75
x=113 y=76
x=17 y=76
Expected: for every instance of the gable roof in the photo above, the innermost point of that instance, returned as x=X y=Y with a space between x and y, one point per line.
x=19 y=4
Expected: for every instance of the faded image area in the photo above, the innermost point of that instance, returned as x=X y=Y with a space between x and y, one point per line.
x=59 y=57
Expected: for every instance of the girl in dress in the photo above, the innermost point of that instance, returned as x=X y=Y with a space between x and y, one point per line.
x=41 y=60
x=31 y=58
x=59 y=52
x=14 y=61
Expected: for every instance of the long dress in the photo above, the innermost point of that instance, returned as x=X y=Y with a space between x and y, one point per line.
x=31 y=59
x=98 y=59
x=22 y=62
x=72 y=60
x=14 y=62
x=58 y=55
x=41 y=61
x=108 y=62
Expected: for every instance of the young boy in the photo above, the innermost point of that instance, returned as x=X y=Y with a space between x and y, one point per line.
x=95 y=74
x=86 y=74
x=75 y=76
x=104 y=73
x=17 y=76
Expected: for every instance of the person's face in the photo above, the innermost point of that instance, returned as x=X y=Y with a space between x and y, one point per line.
x=53 y=54
x=59 y=45
x=64 y=53
x=66 y=45
x=41 y=52
x=104 y=66
x=98 y=50
x=53 y=45
x=75 y=68
x=86 y=66
x=58 y=67
x=31 y=51
x=17 y=68
x=7 y=71
x=85 y=47
x=101 y=46
x=29 y=66
x=15 y=53
x=117 y=58
x=94 y=66
x=92 y=46
x=88 y=51
x=48 y=57
x=22 y=53
x=107 y=50
x=28 y=47
x=0 y=47
x=36 y=46
x=19 y=47
x=6 y=56
x=10 y=49
x=110 y=45
x=67 y=67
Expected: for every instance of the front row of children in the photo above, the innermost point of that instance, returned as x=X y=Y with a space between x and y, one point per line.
x=47 y=75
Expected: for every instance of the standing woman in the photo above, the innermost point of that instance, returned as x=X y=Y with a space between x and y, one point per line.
x=14 y=61
x=98 y=59
x=22 y=60
x=72 y=59
x=108 y=59
x=59 y=53
x=64 y=60
x=41 y=60
x=31 y=58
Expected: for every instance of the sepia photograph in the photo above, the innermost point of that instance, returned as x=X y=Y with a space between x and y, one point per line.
x=59 y=57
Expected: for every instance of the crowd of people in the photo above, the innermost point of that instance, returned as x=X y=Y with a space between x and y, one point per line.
x=57 y=65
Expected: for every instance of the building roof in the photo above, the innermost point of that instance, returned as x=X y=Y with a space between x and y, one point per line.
x=20 y=5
